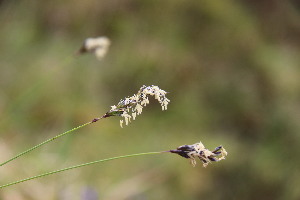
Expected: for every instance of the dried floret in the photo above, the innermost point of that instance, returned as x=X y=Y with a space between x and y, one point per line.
x=199 y=151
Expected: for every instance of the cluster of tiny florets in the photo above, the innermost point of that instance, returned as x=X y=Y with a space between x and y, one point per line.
x=99 y=46
x=199 y=151
x=130 y=107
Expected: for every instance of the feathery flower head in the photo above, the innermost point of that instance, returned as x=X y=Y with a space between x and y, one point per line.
x=99 y=46
x=130 y=107
x=199 y=151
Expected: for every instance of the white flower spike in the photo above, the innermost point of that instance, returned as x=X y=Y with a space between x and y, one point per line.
x=130 y=107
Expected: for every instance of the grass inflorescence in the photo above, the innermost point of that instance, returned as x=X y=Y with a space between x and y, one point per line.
x=135 y=103
x=128 y=108
x=187 y=151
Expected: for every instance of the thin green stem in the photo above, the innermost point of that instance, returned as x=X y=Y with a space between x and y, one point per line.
x=76 y=166
x=49 y=140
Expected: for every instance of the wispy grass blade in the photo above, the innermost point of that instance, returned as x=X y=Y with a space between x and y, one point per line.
x=76 y=166
x=135 y=103
x=187 y=151
x=47 y=141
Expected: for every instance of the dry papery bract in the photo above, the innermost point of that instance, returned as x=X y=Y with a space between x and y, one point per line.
x=199 y=151
x=99 y=46
x=130 y=107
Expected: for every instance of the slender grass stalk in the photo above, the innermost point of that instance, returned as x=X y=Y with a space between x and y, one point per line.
x=49 y=140
x=187 y=151
x=138 y=100
x=76 y=166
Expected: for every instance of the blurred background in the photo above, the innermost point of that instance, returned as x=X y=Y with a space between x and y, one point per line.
x=233 y=76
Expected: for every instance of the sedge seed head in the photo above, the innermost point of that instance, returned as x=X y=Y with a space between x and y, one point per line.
x=199 y=151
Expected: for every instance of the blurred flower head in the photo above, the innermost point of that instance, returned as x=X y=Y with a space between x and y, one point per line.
x=199 y=151
x=130 y=107
x=99 y=46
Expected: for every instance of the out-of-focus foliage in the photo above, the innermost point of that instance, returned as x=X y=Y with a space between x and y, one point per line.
x=232 y=70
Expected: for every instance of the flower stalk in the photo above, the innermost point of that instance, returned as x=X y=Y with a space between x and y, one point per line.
x=45 y=142
x=186 y=151
x=135 y=103
x=74 y=167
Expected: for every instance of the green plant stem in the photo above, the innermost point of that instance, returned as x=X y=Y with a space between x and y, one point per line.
x=76 y=166
x=47 y=141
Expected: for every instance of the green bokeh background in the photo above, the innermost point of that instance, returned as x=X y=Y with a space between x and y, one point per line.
x=233 y=76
